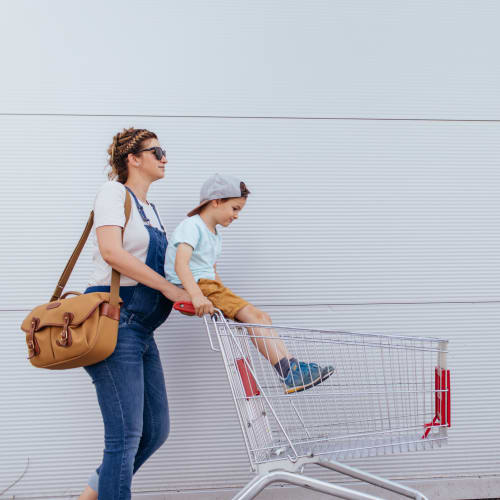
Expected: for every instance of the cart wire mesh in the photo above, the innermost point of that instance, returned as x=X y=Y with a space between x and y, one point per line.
x=388 y=394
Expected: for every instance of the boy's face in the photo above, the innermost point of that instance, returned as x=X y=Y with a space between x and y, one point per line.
x=226 y=212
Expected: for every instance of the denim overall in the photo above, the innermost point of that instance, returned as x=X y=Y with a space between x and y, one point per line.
x=130 y=384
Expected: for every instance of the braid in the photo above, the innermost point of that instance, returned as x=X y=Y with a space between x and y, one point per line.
x=128 y=141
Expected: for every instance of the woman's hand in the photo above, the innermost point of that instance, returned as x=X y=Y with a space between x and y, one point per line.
x=202 y=305
x=183 y=296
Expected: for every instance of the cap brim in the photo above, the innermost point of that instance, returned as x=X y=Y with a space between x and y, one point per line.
x=197 y=210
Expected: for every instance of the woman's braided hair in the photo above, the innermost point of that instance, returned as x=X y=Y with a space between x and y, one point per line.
x=130 y=140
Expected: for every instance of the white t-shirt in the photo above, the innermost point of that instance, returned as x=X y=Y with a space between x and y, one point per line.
x=109 y=211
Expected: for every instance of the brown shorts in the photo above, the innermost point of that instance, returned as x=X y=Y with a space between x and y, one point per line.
x=222 y=297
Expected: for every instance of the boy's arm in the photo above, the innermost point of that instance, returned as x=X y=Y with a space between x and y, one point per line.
x=201 y=304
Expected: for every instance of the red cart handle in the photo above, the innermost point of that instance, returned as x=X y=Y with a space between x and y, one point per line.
x=186 y=308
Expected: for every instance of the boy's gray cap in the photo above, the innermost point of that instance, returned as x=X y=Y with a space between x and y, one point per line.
x=216 y=187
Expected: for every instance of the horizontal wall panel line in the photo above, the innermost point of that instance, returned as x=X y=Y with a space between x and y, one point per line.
x=268 y=117
x=362 y=304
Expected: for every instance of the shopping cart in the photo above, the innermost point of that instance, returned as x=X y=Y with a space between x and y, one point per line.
x=388 y=394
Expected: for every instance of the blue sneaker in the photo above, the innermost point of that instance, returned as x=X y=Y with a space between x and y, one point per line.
x=303 y=376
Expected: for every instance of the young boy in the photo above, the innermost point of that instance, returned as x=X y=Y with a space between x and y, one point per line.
x=191 y=259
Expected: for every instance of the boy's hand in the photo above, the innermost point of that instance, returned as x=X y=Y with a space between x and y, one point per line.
x=202 y=305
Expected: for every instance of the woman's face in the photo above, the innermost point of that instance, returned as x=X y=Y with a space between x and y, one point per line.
x=147 y=162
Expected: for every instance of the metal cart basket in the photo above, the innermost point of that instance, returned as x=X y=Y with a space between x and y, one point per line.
x=388 y=394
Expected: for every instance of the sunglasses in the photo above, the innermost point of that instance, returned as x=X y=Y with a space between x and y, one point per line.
x=158 y=152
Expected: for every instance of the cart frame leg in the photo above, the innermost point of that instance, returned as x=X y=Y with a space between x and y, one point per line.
x=258 y=483
x=371 y=478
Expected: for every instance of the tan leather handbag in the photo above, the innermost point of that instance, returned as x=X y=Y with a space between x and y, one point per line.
x=76 y=331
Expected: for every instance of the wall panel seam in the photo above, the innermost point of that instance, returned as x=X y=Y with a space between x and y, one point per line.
x=231 y=117
x=340 y=304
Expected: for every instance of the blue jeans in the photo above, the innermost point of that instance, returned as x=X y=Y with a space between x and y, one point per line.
x=131 y=392
x=130 y=384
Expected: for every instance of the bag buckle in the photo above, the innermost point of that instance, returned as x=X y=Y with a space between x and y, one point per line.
x=65 y=339
x=33 y=349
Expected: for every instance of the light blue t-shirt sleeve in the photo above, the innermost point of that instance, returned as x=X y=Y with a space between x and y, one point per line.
x=186 y=232
x=206 y=249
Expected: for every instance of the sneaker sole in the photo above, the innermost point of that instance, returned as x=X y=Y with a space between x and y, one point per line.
x=308 y=386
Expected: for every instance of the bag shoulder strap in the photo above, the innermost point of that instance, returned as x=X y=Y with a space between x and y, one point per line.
x=115 y=275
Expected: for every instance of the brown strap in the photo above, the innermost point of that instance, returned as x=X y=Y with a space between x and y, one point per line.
x=115 y=275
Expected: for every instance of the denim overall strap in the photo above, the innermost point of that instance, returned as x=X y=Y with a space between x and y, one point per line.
x=158 y=217
x=140 y=209
x=149 y=308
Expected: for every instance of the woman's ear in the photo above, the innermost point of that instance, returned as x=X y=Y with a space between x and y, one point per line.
x=133 y=160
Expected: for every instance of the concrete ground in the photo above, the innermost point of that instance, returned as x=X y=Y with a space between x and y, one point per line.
x=439 y=489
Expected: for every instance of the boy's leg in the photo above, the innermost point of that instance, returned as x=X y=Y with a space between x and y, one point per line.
x=297 y=375
x=273 y=349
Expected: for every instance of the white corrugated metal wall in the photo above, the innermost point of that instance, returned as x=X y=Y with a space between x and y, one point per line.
x=368 y=133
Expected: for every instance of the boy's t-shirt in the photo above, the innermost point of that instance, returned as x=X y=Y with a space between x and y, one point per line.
x=206 y=246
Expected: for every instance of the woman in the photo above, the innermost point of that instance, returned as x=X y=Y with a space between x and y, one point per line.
x=130 y=384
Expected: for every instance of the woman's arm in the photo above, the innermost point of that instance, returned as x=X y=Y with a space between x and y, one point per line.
x=201 y=304
x=109 y=239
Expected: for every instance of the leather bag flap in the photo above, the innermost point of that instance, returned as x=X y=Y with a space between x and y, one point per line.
x=52 y=313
